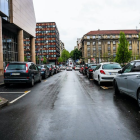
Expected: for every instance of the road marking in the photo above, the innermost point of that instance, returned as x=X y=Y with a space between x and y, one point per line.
x=25 y=93
x=12 y=92
x=103 y=87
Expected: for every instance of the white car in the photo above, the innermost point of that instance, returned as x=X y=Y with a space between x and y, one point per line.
x=77 y=67
x=105 y=72
x=69 y=68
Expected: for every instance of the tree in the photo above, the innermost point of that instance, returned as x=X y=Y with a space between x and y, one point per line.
x=75 y=54
x=60 y=59
x=123 y=55
x=25 y=59
x=65 y=55
x=44 y=60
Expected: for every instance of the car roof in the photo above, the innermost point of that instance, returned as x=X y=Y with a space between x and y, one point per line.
x=20 y=62
x=109 y=63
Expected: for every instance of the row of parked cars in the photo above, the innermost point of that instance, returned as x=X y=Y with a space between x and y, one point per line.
x=28 y=72
x=125 y=80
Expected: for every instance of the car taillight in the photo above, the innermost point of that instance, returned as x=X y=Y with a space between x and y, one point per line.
x=82 y=68
x=90 y=70
x=26 y=68
x=102 y=72
x=50 y=68
x=6 y=67
x=86 y=67
x=42 y=69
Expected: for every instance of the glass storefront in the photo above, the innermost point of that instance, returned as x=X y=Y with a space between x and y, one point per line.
x=10 y=50
x=4 y=7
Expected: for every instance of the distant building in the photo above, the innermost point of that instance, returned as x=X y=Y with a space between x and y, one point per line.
x=79 y=43
x=47 y=42
x=17 y=22
x=103 y=44
x=76 y=47
x=62 y=47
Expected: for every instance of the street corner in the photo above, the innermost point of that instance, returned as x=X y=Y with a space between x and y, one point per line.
x=3 y=102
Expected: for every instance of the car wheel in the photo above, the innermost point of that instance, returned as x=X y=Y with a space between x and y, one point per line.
x=40 y=78
x=117 y=92
x=138 y=98
x=32 y=82
x=99 y=82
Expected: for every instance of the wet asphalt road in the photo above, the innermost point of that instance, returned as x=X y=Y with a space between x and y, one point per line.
x=68 y=106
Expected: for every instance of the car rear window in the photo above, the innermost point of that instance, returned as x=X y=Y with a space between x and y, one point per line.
x=16 y=67
x=93 y=67
x=111 y=66
x=49 y=66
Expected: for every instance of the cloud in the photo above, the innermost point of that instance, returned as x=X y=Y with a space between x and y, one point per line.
x=74 y=18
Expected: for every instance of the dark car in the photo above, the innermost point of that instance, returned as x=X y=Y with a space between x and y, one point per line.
x=55 y=69
x=51 y=69
x=44 y=71
x=81 y=68
x=86 y=67
x=22 y=72
x=90 y=71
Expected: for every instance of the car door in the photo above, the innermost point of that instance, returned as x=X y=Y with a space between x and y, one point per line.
x=35 y=72
x=133 y=80
x=122 y=78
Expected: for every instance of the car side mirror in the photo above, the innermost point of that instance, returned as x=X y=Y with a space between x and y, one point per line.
x=120 y=71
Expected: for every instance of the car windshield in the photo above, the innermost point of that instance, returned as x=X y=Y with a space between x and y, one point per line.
x=93 y=67
x=111 y=66
x=16 y=67
x=40 y=67
x=48 y=66
x=89 y=64
x=77 y=66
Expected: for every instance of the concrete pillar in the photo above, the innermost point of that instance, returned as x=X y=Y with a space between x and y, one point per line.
x=20 y=46
x=32 y=40
x=1 y=49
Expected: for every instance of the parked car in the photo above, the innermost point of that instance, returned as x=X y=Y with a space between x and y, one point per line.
x=58 y=68
x=105 y=72
x=90 y=71
x=22 y=72
x=77 y=67
x=69 y=68
x=62 y=67
x=55 y=69
x=51 y=69
x=128 y=80
x=44 y=71
x=86 y=67
x=81 y=68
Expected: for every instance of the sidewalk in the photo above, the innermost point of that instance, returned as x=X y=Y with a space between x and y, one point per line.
x=1 y=79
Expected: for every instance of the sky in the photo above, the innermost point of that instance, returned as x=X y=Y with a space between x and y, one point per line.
x=75 y=18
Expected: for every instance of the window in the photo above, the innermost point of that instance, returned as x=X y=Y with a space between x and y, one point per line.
x=93 y=37
x=88 y=43
x=114 y=42
x=88 y=49
x=99 y=37
x=108 y=36
x=130 y=42
x=113 y=36
x=108 y=42
x=88 y=54
x=93 y=43
x=129 y=36
x=94 y=49
x=109 y=48
x=114 y=48
x=111 y=66
x=130 y=47
x=100 y=48
x=97 y=67
x=128 y=67
x=88 y=37
x=137 y=66
x=99 y=43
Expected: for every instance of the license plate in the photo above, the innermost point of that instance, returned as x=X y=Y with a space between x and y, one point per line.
x=15 y=73
x=111 y=73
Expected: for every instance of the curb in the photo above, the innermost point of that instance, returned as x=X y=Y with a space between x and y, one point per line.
x=3 y=102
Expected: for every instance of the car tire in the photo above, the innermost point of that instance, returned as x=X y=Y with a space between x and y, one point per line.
x=99 y=82
x=32 y=82
x=138 y=98
x=116 y=89
x=40 y=79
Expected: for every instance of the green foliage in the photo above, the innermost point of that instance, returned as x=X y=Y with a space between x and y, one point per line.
x=75 y=54
x=60 y=59
x=139 y=37
x=123 y=55
x=44 y=60
x=65 y=55
x=25 y=59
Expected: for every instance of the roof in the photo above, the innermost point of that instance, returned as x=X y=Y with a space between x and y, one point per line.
x=112 y=32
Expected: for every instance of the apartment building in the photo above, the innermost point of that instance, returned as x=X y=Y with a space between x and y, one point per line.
x=62 y=47
x=47 y=42
x=17 y=22
x=101 y=45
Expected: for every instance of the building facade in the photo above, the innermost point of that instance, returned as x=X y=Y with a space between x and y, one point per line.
x=17 y=21
x=62 y=47
x=101 y=45
x=47 y=42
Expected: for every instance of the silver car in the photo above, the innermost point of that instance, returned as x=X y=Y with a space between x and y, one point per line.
x=128 y=80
